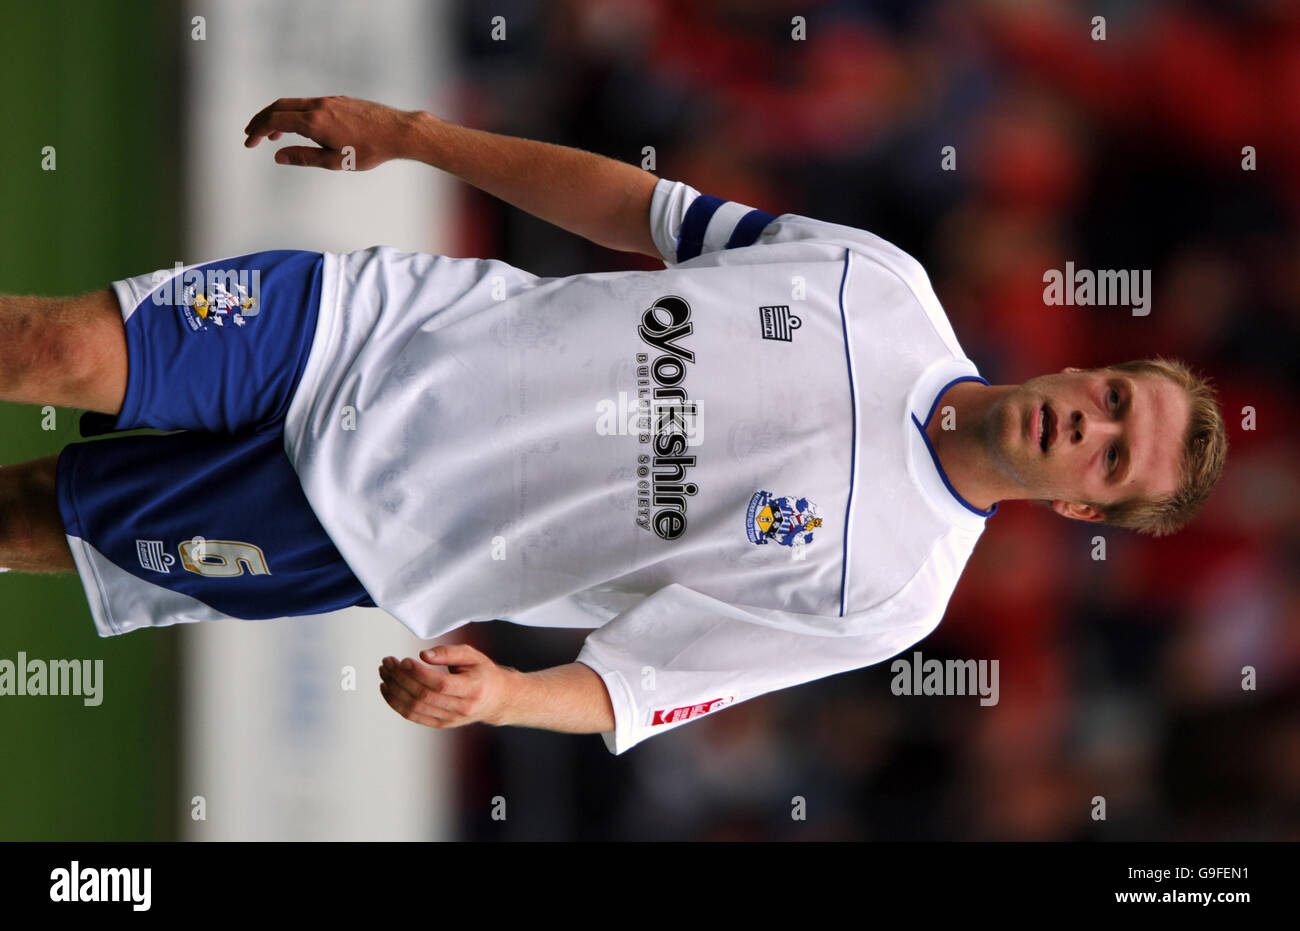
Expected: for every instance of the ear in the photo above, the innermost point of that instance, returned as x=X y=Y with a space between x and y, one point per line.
x=1077 y=511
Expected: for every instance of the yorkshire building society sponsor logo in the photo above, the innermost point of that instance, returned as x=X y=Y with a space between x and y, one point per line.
x=785 y=520
x=664 y=467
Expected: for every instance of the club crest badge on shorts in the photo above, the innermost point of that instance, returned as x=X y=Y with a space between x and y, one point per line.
x=217 y=306
x=785 y=520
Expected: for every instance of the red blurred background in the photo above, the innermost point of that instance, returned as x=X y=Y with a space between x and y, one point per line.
x=1120 y=678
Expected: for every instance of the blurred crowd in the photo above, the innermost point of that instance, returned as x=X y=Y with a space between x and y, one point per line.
x=1121 y=679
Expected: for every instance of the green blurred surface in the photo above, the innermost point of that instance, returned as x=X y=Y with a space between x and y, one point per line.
x=100 y=82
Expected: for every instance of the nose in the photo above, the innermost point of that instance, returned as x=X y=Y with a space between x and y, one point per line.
x=1080 y=427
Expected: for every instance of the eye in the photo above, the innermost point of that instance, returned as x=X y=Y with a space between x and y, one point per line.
x=1112 y=457
x=1114 y=399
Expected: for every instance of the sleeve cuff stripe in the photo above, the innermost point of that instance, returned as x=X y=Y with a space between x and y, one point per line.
x=691 y=239
x=712 y=224
x=749 y=228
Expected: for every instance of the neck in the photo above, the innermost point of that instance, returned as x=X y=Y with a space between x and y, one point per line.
x=964 y=448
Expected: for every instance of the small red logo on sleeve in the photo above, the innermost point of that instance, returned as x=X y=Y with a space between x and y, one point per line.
x=686 y=712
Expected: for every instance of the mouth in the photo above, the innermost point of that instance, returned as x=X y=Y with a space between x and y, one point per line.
x=1046 y=422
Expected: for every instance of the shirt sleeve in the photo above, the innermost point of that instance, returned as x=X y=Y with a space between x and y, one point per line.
x=680 y=655
x=685 y=224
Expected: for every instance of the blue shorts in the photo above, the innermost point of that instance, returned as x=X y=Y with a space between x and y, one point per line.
x=210 y=522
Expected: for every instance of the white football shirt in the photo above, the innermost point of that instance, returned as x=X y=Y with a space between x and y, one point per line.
x=720 y=466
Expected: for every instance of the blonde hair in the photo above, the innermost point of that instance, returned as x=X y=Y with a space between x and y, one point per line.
x=1205 y=448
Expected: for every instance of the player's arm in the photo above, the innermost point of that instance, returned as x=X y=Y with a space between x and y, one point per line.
x=571 y=699
x=598 y=198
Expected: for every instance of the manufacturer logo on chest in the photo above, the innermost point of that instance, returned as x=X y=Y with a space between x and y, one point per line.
x=778 y=323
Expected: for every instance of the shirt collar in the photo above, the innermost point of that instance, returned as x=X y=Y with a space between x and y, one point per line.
x=922 y=462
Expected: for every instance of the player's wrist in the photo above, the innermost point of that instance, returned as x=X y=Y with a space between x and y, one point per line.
x=416 y=138
x=512 y=683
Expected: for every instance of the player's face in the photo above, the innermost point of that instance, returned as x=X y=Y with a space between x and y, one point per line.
x=1102 y=436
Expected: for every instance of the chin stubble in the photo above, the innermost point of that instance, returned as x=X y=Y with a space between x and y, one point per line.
x=994 y=432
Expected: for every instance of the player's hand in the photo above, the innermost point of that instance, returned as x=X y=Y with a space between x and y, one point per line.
x=473 y=689
x=350 y=133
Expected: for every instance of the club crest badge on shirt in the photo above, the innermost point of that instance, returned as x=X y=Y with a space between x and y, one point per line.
x=784 y=520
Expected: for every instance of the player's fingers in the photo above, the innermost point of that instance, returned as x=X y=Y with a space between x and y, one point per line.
x=452 y=654
x=424 y=683
x=406 y=709
x=432 y=691
x=403 y=683
x=424 y=698
x=284 y=121
x=309 y=155
x=284 y=103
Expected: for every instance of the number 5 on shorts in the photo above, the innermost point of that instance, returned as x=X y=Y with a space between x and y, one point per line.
x=222 y=558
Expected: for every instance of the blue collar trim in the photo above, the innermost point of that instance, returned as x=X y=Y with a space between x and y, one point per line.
x=935 y=456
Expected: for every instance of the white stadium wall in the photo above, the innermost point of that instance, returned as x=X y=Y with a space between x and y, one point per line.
x=272 y=741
